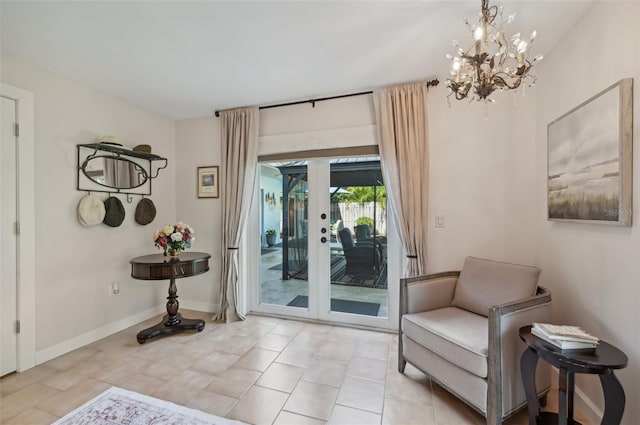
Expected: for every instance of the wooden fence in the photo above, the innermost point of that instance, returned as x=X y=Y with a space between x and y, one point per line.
x=350 y=212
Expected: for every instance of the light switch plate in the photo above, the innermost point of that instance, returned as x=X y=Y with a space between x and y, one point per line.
x=440 y=220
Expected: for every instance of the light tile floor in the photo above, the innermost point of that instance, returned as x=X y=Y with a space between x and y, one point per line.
x=261 y=371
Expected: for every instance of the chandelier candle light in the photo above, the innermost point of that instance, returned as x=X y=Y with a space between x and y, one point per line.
x=492 y=61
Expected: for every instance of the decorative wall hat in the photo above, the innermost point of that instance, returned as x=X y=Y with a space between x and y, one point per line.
x=110 y=140
x=114 y=212
x=91 y=210
x=145 y=211
x=142 y=148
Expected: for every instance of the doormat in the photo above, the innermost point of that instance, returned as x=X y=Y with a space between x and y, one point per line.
x=116 y=406
x=344 y=306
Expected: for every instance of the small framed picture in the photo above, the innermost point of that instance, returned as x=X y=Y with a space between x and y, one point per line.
x=208 y=182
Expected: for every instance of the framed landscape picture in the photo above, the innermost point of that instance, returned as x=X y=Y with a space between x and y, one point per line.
x=590 y=159
x=208 y=182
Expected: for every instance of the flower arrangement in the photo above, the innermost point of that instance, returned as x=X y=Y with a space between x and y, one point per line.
x=174 y=238
x=270 y=232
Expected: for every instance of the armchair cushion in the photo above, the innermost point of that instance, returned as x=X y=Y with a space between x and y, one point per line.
x=485 y=283
x=454 y=334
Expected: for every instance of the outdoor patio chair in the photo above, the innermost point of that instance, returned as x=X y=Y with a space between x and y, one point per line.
x=362 y=259
x=363 y=234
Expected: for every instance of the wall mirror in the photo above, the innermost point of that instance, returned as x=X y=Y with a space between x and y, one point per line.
x=108 y=168
x=114 y=172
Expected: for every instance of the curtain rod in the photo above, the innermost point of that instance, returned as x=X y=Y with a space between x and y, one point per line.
x=431 y=83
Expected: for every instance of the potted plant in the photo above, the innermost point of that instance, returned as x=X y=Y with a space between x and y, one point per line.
x=271 y=237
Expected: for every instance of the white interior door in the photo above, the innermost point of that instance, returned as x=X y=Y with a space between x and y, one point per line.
x=8 y=240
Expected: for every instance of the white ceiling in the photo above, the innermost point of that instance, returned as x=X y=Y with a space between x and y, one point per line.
x=184 y=59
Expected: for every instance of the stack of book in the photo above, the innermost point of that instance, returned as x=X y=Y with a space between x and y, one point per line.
x=565 y=337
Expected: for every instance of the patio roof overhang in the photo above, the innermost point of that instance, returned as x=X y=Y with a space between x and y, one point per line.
x=348 y=172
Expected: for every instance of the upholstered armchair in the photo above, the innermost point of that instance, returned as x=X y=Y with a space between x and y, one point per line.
x=461 y=329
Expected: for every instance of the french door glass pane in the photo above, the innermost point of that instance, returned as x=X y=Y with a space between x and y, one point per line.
x=284 y=242
x=358 y=237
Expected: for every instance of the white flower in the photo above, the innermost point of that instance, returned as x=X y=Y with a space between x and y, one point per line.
x=177 y=236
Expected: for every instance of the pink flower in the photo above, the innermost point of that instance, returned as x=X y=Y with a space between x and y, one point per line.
x=178 y=236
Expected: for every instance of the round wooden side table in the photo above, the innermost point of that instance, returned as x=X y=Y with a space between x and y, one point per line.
x=159 y=267
x=602 y=360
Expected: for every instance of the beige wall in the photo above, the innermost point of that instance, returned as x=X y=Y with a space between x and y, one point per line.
x=198 y=145
x=482 y=179
x=76 y=265
x=482 y=176
x=593 y=270
x=296 y=127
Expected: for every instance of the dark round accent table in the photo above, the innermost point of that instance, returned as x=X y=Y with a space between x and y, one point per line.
x=602 y=360
x=159 y=267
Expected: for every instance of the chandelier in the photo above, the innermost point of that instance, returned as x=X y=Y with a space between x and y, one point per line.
x=492 y=61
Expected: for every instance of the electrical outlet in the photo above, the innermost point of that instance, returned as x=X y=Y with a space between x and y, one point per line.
x=115 y=288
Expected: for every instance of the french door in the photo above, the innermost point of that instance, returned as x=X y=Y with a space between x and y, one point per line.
x=324 y=242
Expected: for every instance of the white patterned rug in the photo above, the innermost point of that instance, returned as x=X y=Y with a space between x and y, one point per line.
x=121 y=407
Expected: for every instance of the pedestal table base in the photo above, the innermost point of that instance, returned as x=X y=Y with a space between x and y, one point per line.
x=164 y=328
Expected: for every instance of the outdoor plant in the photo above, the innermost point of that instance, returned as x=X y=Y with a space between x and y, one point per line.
x=365 y=220
x=271 y=237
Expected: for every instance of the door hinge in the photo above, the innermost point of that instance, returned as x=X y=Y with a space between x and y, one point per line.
x=17 y=228
x=17 y=326
x=17 y=129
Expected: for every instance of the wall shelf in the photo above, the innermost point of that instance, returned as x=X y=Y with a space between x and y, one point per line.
x=147 y=166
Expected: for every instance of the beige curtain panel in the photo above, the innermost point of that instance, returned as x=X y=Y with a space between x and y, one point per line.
x=401 y=116
x=239 y=163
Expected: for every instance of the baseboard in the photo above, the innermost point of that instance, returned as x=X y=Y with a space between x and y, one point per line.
x=74 y=343
x=198 y=306
x=582 y=403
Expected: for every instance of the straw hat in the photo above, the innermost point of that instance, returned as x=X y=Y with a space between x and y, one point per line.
x=91 y=210
x=110 y=140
